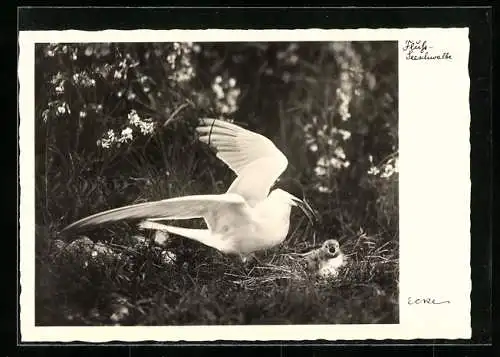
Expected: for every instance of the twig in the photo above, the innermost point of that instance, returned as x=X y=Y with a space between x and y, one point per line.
x=175 y=112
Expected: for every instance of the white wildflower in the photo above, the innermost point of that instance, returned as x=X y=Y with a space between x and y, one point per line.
x=147 y=128
x=323 y=161
x=224 y=109
x=339 y=152
x=396 y=165
x=219 y=92
x=126 y=135
x=320 y=171
x=133 y=117
x=323 y=189
x=313 y=147
x=60 y=88
x=346 y=135
x=293 y=59
x=373 y=171
x=336 y=163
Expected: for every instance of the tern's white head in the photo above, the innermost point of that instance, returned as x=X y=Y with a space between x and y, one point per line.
x=290 y=191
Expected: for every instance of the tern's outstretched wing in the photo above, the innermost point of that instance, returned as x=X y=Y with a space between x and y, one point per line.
x=253 y=157
x=197 y=206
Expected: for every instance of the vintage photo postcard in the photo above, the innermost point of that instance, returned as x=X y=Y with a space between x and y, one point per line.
x=244 y=185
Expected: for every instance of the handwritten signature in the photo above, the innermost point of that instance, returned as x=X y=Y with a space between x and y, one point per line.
x=420 y=50
x=426 y=301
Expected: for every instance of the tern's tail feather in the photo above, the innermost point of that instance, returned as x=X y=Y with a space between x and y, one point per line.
x=203 y=236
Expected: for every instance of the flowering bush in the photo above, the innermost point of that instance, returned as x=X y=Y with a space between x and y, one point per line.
x=331 y=107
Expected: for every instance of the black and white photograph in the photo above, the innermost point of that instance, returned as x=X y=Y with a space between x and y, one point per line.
x=217 y=183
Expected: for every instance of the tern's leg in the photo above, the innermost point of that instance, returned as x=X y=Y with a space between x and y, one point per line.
x=247 y=259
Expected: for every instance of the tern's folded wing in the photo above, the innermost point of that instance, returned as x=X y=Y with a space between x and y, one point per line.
x=174 y=208
x=253 y=157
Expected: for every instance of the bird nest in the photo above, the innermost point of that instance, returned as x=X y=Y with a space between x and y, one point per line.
x=320 y=264
x=280 y=269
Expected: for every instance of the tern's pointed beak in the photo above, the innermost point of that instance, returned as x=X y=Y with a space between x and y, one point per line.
x=307 y=209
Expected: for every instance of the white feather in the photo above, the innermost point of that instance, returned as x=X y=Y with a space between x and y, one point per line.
x=254 y=158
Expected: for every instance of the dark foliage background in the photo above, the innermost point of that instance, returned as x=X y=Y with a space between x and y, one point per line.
x=114 y=126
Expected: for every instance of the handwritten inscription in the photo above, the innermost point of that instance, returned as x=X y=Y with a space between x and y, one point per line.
x=426 y=301
x=420 y=50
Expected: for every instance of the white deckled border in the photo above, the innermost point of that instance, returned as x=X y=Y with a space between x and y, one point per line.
x=434 y=190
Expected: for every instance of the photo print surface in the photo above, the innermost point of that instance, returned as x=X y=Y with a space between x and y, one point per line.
x=230 y=184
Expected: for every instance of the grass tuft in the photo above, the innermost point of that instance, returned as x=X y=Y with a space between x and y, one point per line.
x=117 y=275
